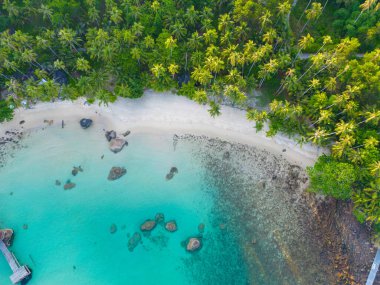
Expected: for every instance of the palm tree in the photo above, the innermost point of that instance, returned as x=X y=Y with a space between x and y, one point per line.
x=210 y=36
x=264 y=19
x=201 y=75
x=115 y=15
x=173 y=69
x=303 y=43
x=178 y=30
x=83 y=65
x=365 y=7
x=170 y=44
x=267 y=69
x=313 y=13
x=158 y=70
x=136 y=54
x=214 y=64
x=191 y=16
x=68 y=37
x=46 y=12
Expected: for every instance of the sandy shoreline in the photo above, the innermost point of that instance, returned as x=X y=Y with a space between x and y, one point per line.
x=164 y=113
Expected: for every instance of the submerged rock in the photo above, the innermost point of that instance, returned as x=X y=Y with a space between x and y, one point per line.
x=193 y=244
x=160 y=218
x=169 y=176
x=171 y=173
x=25 y=226
x=226 y=155
x=116 y=173
x=74 y=172
x=69 y=185
x=201 y=228
x=134 y=241
x=113 y=229
x=57 y=183
x=110 y=135
x=85 y=123
x=171 y=226
x=148 y=225
x=174 y=170
x=117 y=144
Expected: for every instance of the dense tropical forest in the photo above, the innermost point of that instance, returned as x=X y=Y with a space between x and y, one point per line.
x=319 y=60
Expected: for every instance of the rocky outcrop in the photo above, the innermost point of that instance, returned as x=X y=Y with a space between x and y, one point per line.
x=110 y=135
x=193 y=244
x=116 y=173
x=134 y=241
x=85 y=123
x=117 y=144
x=171 y=226
x=148 y=225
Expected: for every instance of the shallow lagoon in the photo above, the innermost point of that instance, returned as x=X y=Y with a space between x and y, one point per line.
x=68 y=240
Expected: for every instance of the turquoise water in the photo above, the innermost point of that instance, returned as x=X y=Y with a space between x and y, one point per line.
x=68 y=239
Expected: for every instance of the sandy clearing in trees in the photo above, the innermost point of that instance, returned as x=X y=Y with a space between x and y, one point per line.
x=164 y=113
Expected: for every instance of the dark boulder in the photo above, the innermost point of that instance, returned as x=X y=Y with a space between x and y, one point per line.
x=126 y=133
x=110 y=135
x=116 y=173
x=85 y=123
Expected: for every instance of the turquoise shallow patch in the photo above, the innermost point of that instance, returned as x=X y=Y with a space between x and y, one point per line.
x=248 y=231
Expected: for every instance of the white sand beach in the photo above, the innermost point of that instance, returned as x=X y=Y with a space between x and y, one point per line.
x=164 y=112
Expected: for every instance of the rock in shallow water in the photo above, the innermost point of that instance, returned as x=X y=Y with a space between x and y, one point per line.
x=193 y=244
x=116 y=173
x=134 y=241
x=117 y=144
x=160 y=218
x=69 y=185
x=148 y=225
x=110 y=135
x=85 y=123
x=113 y=229
x=171 y=226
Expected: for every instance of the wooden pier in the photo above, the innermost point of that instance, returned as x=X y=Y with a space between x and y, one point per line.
x=19 y=272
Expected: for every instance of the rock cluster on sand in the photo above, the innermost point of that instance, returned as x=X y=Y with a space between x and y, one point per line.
x=85 y=123
x=69 y=185
x=134 y=241
x=117 y=144
x=116 y=173
x=193 y=244
x=148 y=225
x=171 y=226
x=171 y=173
